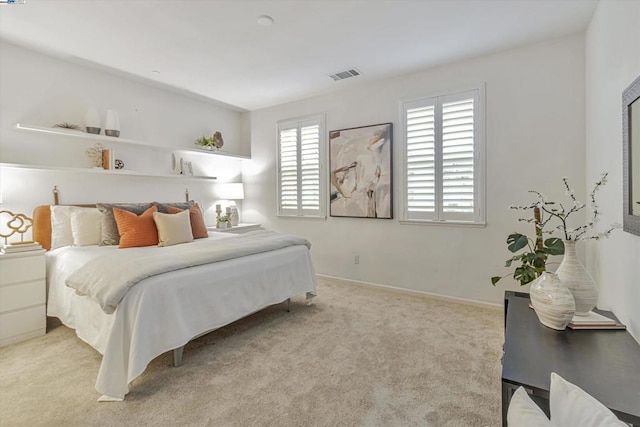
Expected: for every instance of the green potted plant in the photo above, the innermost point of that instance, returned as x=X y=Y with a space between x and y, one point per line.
x=532 y=262
x=224 y=222
x=214 y=141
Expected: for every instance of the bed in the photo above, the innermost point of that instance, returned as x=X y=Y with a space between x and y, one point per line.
x=163 y=312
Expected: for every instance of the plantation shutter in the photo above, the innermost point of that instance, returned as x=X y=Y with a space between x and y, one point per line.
x=310 y=168
x=458 y=156
x=420 y=138
x=441 y=158
x=299 y=168
x=289 y=181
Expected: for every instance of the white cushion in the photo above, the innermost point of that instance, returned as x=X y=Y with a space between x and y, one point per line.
x=61 y=234
x=523 y=412
x=573 y=407
x=173 y=228
x=86 y=226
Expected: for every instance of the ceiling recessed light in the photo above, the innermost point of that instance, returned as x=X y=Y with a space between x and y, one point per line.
x=156 y=72
x=265 y=20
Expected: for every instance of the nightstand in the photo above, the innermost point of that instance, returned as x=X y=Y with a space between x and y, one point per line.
x=22 y=296
x=242 y=227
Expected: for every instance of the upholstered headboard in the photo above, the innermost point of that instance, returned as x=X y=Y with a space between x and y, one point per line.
x=41 y=230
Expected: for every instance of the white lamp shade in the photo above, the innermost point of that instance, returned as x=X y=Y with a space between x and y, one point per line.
x=112 y=122
x=229 y=191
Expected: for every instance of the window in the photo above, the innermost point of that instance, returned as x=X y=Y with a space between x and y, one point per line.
x=443 y=177
x=301 y=177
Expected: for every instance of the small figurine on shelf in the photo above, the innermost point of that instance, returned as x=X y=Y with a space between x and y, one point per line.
x=233 y=213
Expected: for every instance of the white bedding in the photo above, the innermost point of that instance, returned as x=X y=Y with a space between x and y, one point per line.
x=107 y=279
x=151 y=319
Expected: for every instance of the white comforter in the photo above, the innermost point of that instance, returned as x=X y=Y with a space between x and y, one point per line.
x=106 y=280
x=164 y=312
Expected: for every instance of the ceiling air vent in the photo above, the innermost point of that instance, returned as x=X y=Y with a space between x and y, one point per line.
x=352 y=72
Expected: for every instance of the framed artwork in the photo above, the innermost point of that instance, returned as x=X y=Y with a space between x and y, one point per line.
x=360 y=172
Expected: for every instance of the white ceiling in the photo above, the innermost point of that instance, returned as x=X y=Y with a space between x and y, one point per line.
x=215 y=48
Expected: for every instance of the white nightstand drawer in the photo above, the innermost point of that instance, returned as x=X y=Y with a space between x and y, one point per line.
x=21 y=322
x=23 y=269
x=22 y=296
x=14 y=297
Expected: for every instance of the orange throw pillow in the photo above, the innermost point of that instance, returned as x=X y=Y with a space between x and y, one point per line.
x=198 y=227
x=134 y=230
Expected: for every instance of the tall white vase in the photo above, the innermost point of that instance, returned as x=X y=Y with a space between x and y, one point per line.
x=552 y=301
x=575 y=277
x=92 y=120
x=112 y=124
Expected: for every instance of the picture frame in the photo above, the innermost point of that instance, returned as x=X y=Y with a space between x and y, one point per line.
x=631 y=158
x=360 y=172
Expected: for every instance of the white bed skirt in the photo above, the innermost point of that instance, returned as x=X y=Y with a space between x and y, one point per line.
x=164 y=312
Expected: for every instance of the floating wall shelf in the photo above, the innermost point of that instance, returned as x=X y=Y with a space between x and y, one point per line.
x=114 y=172
x=123 y=141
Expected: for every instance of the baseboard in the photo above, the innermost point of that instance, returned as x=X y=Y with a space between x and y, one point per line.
x=448 y=298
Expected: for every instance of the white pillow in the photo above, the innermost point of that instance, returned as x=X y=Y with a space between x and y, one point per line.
x=86 y=226
x=573 y=407
x=61 y=226
x=523 y=412
x=173 y=228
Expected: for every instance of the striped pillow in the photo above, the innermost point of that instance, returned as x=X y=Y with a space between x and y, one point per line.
x=110 y=235
x=136 y=230
x=198 y=226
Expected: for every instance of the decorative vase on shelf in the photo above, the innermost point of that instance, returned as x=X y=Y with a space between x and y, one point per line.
x=233 y=214
x=112 y=124
x=552 y=301
x=575 y=277
x=92 y=120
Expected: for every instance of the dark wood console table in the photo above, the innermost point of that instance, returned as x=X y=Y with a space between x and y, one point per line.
x=605 y=364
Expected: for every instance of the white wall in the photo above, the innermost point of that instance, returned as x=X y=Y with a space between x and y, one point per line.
x=41 y=90
x=535 y=135
x=612 y=63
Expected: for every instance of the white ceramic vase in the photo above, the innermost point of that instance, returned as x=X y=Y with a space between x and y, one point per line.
x=233 y=215
x=112 y=124
x=552 y=301
x=92 y=120
x=575 y=277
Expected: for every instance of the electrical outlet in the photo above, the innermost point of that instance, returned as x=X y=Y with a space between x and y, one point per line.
x=356 y=258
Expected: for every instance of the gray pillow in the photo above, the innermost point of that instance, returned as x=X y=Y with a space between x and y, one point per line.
x=162 y=207
x=110 y=234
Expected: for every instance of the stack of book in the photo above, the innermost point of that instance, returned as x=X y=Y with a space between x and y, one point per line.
x=594 y=321
x=20 y=247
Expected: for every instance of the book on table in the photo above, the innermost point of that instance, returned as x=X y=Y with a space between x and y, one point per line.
x=594 y=321
x=20 y=247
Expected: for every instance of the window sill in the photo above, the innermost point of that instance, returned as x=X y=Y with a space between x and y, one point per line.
x=444 y=223
x=310 y=218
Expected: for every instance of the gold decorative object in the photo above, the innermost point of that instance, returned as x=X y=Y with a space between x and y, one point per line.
x=16 y=224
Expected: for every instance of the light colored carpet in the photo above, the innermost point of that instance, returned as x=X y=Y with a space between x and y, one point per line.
x=360 y=356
